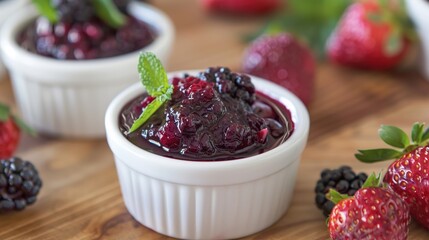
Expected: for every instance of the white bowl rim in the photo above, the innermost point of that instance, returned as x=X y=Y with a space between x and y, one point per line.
x=13 y=25
x=199 y=172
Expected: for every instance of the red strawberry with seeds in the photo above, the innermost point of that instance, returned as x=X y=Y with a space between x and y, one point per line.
x=283 y=60
x=9 y=132
x=372 y=213
x=408 y=176
x=371 y=34
x=9 y=138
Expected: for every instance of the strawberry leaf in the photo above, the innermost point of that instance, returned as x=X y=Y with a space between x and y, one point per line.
x=335 y=196
x=376 y=155
x=46 y=9
x=425 y=135
x=24 y=127
x=372 y=181
x=4 y=113
x=394 y=136
x=417 y=132
x=109 y=13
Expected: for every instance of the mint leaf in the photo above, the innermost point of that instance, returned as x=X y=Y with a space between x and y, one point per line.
x=376 y=155
x=4 y=112
x=394 y=136
x=147 y=113
x=154 y=79
x=46 y=9
x=109 y=13
x=152 y=74
x=417 y=132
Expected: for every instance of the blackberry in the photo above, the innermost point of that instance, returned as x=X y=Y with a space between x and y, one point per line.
x=19 y=184
x=343 y=179
x=71 y=11
x=236 y=85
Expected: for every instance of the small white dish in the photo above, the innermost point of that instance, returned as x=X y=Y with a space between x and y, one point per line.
x=6 y=8
x=69 y=98
x=208 y=200
x=418 y=10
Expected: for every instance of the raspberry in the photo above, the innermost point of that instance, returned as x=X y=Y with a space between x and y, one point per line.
x=19 y=184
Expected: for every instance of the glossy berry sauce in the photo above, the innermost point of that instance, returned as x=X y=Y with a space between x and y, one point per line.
x=215 y=116
x=80 y=35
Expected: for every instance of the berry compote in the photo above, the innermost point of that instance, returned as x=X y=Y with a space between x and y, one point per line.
x=217 y=115
x=80 y=34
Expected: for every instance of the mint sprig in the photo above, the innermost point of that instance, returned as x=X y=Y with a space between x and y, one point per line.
x=397 y=138
x=154 y=79
x=109 y=13
x=106 y=10
x=46 y=9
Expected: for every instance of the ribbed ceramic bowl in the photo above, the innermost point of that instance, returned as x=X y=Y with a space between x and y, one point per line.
x=8 y=7
x=418 y=11
x=208 y=200
x=69 y=98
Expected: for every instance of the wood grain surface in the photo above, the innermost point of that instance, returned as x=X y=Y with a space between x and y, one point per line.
x=81 y=197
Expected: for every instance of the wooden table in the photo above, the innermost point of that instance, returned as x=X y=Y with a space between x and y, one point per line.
x=81 y=197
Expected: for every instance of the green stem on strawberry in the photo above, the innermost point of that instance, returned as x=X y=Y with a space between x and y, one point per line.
x=6 y=114
x=395 y=137
x=372 y=181
x=106 y=10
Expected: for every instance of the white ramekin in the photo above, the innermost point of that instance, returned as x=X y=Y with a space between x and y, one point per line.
x=418 y=10
x=208 y=200
x=66 y=97
x=8 y=7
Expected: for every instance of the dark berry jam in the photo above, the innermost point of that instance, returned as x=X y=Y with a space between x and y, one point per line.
x=80 y=35
x=215 y=116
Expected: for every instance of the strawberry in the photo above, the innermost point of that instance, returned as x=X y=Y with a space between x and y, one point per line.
x=408 y=175
x=249 y=7
x=283 y=60
x=372 y=213
x=371 y=34
x=10 y=127
x=9 y=133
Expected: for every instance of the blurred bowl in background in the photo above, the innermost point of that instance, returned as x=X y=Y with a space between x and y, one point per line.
x=418 y=10
x=68 y=98
x=6 y=8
